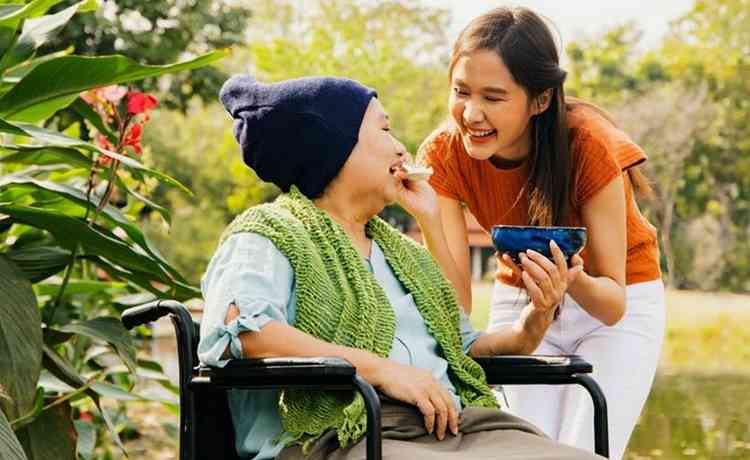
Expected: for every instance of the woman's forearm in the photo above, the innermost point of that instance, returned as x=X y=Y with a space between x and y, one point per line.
x=602 y=297
x=436 y=243
x=277 y=339
x=520 y=338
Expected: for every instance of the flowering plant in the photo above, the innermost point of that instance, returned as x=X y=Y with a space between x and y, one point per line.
x=122 y=111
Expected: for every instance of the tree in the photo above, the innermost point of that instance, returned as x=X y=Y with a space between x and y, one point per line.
x=669 y=137
x=158 y=32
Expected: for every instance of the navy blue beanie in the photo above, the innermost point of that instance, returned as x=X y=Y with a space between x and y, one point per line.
x=296 y=132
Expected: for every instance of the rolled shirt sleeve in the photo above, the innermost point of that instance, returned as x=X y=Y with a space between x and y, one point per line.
x=248 y=271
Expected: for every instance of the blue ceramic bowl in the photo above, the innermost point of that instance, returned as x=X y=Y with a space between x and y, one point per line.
x=512 y=239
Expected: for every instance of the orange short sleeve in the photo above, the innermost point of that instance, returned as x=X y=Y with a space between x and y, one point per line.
x=595 y=167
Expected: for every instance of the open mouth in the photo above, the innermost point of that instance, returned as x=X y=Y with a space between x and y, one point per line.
x=481 y=135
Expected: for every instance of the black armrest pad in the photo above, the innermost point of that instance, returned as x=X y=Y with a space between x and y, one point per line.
x=501 y=369
x=280 y=370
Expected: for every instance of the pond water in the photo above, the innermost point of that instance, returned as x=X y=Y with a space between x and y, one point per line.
x=697 y=416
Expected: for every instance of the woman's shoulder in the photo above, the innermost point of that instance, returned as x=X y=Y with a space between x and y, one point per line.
x=594 y=132
x=436 y=146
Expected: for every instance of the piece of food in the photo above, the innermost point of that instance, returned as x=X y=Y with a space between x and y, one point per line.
x=416 y=172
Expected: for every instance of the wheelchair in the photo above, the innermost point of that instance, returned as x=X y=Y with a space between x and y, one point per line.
x=206 y=430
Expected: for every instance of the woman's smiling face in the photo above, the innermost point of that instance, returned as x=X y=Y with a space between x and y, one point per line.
x=490 y=109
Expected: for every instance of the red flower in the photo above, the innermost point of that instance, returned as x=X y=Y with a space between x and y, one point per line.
x=133 y=138
x=140 y=102
x=103 y=142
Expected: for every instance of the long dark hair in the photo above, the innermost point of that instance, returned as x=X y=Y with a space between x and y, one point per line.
x=526 y=46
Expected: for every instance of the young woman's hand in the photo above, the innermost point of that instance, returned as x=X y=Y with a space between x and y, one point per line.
x=546 y=280
x=418 y=387
x=418 y=198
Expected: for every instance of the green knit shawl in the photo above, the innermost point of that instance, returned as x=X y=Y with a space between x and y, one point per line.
x=339 y=301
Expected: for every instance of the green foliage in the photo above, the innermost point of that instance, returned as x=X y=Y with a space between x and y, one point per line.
x=703 y=179
x=159 y=32
x=72 y=254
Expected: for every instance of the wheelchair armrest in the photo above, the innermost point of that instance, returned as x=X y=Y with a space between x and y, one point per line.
x=532 y=369
x=291 y=372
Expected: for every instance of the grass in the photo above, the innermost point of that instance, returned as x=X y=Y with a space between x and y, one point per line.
x=705 y=331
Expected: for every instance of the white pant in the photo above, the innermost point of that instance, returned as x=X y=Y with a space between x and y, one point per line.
x=624 y=358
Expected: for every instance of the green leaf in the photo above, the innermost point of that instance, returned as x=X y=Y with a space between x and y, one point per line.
x=39 y=263
x=20 y=339
x=111 y=331
x=35 y=33
x=94 y=239
x=86 y=438
x=83 y=109
x=9 y=446
x=29 y=10
x=43 y=155
x=164 y=212
x=79 y=287
x=56 y=139
x=111 y=213
x=51 y=435
x=179 y=292
x=38 y=96
x=15 y=74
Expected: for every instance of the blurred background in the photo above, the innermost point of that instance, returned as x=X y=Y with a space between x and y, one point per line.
x=675 y=74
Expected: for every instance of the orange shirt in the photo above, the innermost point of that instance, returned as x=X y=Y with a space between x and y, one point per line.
x=599 y=153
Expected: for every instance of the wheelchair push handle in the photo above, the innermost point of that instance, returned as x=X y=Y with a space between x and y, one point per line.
x=142 y=314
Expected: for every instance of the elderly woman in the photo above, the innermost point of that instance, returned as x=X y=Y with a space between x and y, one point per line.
x=317 y=273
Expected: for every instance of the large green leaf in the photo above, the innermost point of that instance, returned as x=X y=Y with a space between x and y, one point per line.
x=38 y=31
x=8 y=28
x=111 y=213
x=51 y=435
x=29 y=10
x=179 y=291
x=20 y=340
x=55 y=84
x=39 y=263
x=10 y=448
x=86 y=438
x=96 y=240
x=60 y=368
x=164 y=212
x=55 y=139
x=43 y=155
x=111 y=331
x=80 y=287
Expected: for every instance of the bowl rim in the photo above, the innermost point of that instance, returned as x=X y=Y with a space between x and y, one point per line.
x=525 y=227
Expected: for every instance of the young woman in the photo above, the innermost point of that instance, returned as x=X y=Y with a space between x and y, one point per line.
x=516 y=152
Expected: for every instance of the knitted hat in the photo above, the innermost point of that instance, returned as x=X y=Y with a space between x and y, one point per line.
x=296 y=132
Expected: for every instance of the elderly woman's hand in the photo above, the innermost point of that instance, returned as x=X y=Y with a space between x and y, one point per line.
x=418 y=387
x=417 y=197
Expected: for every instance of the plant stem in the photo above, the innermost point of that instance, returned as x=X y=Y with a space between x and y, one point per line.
x=66 y=278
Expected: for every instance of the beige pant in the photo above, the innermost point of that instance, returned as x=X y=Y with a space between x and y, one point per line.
x=483 y=434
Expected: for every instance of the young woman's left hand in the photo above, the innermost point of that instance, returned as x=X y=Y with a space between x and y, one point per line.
x=418 y=198
x=546 y=280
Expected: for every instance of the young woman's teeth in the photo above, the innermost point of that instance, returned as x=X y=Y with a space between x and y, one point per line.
x=481 y=133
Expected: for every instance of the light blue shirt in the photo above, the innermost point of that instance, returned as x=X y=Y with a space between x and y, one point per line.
x=249 y=271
